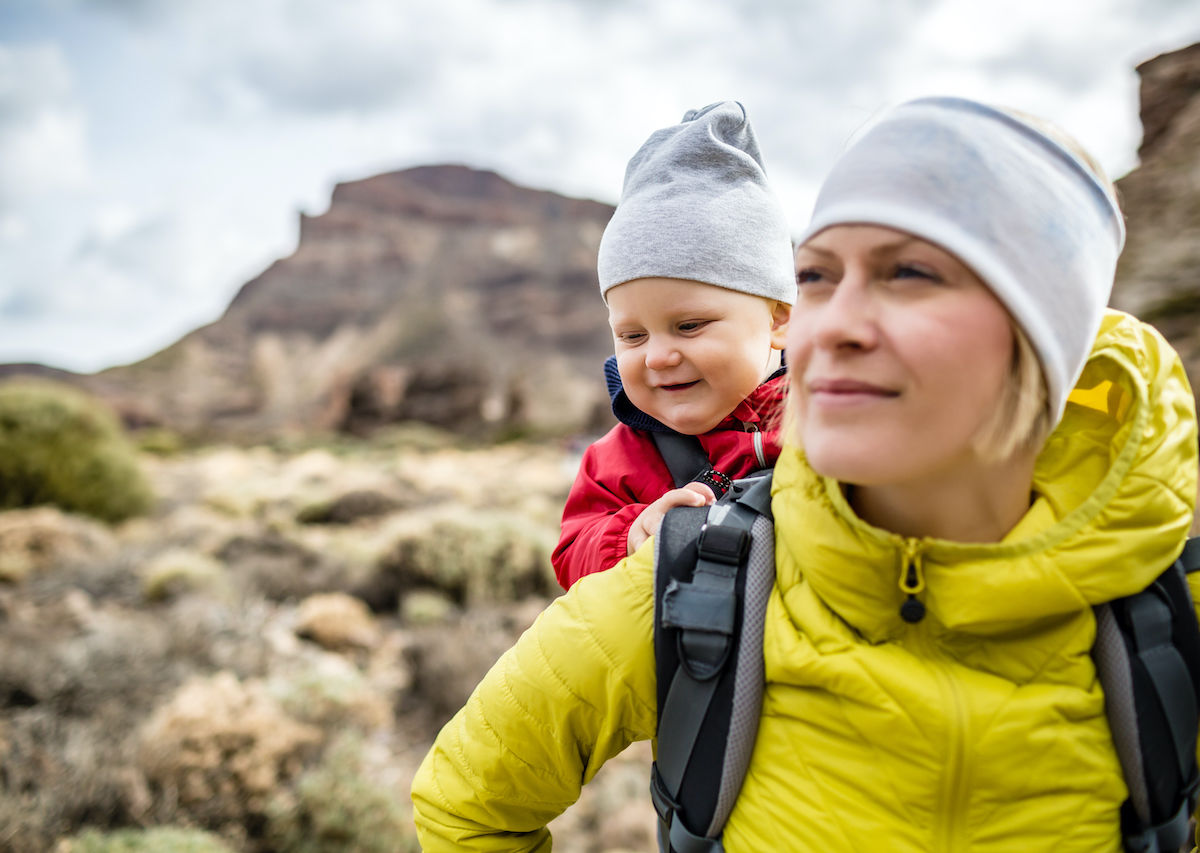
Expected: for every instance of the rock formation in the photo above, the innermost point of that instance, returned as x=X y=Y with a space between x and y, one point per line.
x=1158 y=278
x=440 y=294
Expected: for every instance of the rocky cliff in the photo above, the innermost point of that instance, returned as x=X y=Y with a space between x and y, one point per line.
x=441 y=294
x=1158 y=278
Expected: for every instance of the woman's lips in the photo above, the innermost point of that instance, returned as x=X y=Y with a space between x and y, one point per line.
x=848 y=390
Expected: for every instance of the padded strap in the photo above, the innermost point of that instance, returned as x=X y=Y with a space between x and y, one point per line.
x=1190 y=558
x=683 y=454
x=704 y=612
x=1150 y=629
x=1147 y=655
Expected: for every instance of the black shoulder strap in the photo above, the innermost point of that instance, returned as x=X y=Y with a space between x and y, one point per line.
x=684 y=455
x=714 y=570
x=1147 y=656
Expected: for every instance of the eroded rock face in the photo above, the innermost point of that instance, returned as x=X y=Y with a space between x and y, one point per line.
x=1158 y=277
x=440 y=294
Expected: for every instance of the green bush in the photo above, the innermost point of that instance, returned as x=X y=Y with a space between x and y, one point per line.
x=158 y=840
x=59 y=446
x=158 y=440
x=338 y=808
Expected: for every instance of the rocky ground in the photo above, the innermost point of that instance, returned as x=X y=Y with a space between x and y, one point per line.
x=268 y=655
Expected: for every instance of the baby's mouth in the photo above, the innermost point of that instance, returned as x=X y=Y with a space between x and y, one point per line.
x=681 y=386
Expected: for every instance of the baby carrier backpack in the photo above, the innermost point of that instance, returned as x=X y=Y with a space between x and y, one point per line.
x=714 y=570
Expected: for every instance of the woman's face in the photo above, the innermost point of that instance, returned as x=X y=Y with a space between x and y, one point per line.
x=898 y=354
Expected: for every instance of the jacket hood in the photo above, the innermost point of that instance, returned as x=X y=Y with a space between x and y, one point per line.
x=1115 y=493
x=630 y=415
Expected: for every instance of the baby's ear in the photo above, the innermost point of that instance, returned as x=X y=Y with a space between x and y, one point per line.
x=781 y=312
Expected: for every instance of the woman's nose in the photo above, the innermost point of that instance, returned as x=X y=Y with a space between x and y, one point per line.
x=661 y=353
x=849 y=317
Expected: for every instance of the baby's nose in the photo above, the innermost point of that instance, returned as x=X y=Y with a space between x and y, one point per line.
x=661 y=355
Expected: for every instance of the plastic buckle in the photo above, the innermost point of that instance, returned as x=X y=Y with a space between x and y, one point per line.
x=664 y=804
x=723 y=544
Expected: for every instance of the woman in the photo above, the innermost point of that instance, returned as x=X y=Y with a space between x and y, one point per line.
x=987 y=453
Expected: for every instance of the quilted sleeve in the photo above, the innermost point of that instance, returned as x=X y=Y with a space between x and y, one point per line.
x=574 y=691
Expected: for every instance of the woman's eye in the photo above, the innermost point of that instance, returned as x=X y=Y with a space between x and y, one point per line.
x=808 y=275
x=914 y=271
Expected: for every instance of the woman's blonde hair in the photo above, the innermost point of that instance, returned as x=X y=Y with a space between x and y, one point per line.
x=1021 y=419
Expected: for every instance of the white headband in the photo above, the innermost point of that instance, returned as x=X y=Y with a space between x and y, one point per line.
x=1021 y=211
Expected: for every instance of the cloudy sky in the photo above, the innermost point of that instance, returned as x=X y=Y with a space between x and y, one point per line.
x=154 y=154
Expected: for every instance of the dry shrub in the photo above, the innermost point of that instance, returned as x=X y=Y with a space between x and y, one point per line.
x=426 y=607
x=217 y=751
x=58 y=774
x=336 y=621
x=348 y=508
x=479 y=557
x=337 y=807
x=59 y=446
x=332 y=694
x=156 y=840
x=448 y=659
x=34 y=540
x=277 y=566
x=178 y=571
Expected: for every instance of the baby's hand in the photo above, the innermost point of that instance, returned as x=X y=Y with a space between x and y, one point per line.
x=647 y=524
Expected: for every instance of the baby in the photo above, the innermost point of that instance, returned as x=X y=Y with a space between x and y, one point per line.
x=696 y=269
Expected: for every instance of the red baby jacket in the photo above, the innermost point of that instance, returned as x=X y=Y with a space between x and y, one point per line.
x=623 y=472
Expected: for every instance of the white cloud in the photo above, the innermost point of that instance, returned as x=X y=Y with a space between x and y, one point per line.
x=43 y=146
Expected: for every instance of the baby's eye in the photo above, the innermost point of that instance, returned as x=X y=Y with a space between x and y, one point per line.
x=631 y=337
x=692 y=325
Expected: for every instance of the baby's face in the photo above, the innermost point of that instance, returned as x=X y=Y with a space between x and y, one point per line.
x=689 y=353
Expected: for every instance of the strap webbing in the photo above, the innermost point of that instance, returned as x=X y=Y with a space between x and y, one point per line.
x=686 y=707
x=683 y=454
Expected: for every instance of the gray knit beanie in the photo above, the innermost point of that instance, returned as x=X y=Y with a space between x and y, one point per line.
x=696 y=205
x=1031 y=220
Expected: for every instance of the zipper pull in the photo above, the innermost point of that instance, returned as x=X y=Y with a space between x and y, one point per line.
x=759 y=451
x=912 y=581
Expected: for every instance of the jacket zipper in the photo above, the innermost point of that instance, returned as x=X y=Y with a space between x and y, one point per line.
x=912 y=582
x=955 y=787
x=759 y=453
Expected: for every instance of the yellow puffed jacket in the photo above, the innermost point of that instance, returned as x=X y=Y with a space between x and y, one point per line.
x=979 y=728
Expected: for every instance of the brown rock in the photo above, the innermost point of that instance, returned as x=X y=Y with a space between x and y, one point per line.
x=440 y=294
x=1158 y=277
x=337 y=622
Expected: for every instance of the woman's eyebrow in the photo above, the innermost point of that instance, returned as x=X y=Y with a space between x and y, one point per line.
x=882 y=249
